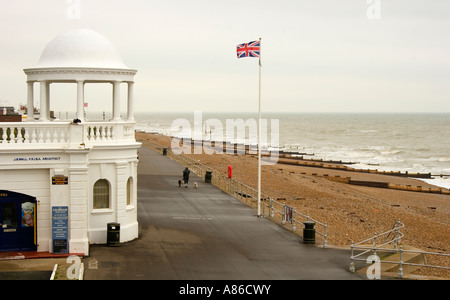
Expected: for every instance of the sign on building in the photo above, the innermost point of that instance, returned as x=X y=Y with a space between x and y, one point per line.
x=60 y=229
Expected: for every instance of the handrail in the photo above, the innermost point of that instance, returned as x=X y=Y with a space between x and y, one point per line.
x=396 y=240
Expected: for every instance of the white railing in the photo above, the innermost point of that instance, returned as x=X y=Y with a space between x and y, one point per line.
x=64 y=134
x=382 y=243
x=15 y=134
x=296 y=218
x=106 y=132
x=393 y=236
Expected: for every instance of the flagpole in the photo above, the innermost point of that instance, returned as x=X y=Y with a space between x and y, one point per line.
x=259 y=136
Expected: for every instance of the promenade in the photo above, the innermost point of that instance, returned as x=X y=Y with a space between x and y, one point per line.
x=205 y=234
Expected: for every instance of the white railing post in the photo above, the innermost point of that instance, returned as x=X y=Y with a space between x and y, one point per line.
x=294 y=227
x=352 y=262
x=5 y=135
x=33 y=135
x=399 y=240
x=272 y=214
x=375 y=245
x=400 y=267
x=26 y=137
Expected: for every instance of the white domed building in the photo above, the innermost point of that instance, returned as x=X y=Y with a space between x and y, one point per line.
x=62 y=182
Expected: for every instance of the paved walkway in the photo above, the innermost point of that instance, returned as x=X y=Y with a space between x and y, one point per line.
x=205 y=234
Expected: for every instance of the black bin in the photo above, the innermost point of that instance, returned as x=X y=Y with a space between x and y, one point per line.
x=165 y=151
x=113 y=234
x=208 y=177
x=309 y=233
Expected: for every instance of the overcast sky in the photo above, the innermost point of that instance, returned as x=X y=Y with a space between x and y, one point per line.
x=317 y=55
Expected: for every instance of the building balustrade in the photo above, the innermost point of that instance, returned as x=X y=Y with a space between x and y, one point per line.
x=65 y=134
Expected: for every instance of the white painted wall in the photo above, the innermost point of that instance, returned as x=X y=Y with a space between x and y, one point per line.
x=21 y=172
x=36 y=183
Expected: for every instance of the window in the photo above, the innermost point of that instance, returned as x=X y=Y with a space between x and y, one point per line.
x=130 y=191
x=101 y=194
x=9 y=212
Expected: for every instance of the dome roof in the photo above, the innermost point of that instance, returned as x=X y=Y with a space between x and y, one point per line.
x=81 y=48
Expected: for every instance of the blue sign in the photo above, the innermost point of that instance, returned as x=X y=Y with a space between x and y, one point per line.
x=60 y=229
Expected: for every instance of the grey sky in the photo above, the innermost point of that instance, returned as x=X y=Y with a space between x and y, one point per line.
x=321 y=55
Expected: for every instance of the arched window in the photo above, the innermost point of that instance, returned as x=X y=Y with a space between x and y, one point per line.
x=101 y=194
x=130 y=191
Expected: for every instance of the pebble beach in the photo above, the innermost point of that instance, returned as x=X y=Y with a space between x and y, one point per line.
x=352 y=213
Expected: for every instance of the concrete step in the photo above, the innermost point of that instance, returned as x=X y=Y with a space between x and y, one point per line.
x=391 y=269
x=415 y=258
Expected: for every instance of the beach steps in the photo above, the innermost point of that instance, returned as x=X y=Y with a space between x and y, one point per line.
x=392 y=269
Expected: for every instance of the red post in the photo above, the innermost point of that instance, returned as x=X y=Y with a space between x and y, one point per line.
x=230 y=172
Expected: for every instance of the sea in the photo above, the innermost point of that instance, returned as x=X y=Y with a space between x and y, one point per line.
x=417 y=143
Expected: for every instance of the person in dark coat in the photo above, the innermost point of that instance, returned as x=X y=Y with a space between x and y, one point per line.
x=186 y=173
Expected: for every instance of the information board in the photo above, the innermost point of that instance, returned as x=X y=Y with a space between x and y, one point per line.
x=60 y=229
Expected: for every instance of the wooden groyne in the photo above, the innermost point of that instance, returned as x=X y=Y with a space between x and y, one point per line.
x=297 y=158
x=386 y=185
x=342 y=167
x=288 y=159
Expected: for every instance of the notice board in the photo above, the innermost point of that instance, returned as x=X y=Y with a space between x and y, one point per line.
x=60 y=229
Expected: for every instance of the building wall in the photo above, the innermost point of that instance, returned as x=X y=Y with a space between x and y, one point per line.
x=36 y=183
x=31 y=173
x=117 y=172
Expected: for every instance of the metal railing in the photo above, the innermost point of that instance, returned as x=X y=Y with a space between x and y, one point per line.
x=294 y=217
x=381 y=243
x=241 y=191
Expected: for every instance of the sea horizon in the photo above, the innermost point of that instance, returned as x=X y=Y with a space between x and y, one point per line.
x=406 y=142
x=415 y=142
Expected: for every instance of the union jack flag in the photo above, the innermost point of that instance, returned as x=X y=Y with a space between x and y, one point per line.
x=252 y=49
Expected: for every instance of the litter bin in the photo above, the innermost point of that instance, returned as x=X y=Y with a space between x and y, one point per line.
x=208 y=177
x=309 y=233
x=113 y=234
x=165 y=151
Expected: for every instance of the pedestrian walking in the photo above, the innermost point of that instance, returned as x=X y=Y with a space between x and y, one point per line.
x=186 y=173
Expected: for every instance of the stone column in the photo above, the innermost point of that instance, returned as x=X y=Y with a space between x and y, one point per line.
x=116 y=101
x=130 y=101
x=30 y=101
x=121 y=191
x=44 y=109
x=47 y=98
x=80 y=100
x=78 y=206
